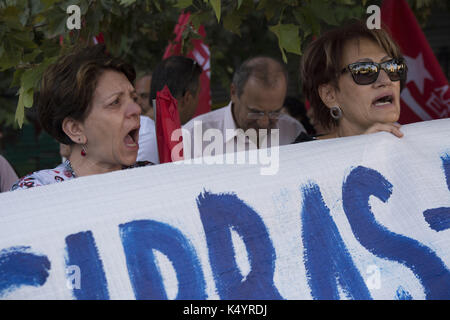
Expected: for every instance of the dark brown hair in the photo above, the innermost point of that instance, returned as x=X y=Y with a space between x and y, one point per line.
x=179 y=73
x=67 y=87
x=322 y=61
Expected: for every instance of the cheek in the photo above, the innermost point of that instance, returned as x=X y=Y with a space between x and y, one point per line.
x=397 y=91
x=355 y=98
x=242 y=115
x=103 y=133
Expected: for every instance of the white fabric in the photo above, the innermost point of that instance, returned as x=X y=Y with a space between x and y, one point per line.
x=222 y=119
x=45 y=218
x=148 y=148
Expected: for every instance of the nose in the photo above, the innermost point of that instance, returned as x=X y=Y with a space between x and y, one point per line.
x=133 y=109
x=263 y=122
x=383 y=79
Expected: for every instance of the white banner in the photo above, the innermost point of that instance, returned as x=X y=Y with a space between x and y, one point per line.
x=365 y=217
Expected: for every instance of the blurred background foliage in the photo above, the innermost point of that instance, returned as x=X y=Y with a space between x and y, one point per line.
x=33 y=33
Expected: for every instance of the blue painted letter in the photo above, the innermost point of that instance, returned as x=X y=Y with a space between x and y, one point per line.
x=220 y=212
x=21 y=268
x=82 y=252
x=362 y=183
x=139 y=239
x=439 y=218
x=327 y=259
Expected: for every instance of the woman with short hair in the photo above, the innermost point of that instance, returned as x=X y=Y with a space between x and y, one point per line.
x=352 y=77
x=87 y=101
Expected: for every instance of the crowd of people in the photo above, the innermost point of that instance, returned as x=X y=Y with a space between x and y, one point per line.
x=103 y=117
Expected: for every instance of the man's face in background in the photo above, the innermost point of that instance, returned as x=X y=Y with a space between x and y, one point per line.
x=143 y=91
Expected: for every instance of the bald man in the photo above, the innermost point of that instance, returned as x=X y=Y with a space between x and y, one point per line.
x=257 y=92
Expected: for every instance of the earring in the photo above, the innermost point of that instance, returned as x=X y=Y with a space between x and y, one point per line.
x=83 y=150
x=336 y=112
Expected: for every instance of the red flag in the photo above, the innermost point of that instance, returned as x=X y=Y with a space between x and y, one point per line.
x=201 y=54
x=167 y=121
x=427 y=93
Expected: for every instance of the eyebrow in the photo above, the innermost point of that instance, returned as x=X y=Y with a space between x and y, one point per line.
x=120 y=93
x=370 y=60
x=256 y=110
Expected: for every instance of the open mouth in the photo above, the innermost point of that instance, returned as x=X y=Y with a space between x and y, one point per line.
x=132 y=138
x=383 y=100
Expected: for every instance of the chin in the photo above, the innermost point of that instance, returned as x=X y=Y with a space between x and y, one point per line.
x=390 y=118
x=129 y=160
x=387 y=116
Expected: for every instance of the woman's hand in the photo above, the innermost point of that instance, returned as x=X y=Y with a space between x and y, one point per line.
x=393 y=128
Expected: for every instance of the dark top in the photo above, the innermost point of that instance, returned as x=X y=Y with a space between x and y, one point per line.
x=304 y=137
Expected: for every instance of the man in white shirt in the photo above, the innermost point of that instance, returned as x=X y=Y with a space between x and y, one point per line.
x=257 y=92
x=148 y=147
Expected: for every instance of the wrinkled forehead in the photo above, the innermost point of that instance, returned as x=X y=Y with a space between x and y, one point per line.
x=261 y=96
x=111 y=81
x=362 y=49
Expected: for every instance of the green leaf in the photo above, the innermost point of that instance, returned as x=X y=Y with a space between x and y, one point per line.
x=22 y=39
x=239 y=4
x=323 y=11
x=28 y=98
x=17 y=77
x=127 y=3
x=49 y=3
x=57 y=23
x=30 y=57
x=20 y=110
x=10 y=58
x=269 y=7
x=310 y=24
x=233 y=23
x=216 y=5
x=199 y=18
x=288 y=38
x=157 y=5
x=30 y=78
x=182 y=4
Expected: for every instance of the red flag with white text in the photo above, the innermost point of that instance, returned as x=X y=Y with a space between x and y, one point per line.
x=199 y=53
x=427 y=92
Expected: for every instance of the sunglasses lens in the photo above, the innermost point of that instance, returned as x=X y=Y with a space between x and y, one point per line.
x=367 y=72
x=364 y=73
x=395 y=70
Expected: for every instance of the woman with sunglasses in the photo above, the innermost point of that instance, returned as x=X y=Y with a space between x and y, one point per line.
x=352 y=77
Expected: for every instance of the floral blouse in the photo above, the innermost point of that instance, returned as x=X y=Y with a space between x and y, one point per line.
x=63 y=172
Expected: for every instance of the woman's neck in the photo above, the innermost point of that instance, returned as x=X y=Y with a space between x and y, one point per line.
x=344 y=129
x=86 y=166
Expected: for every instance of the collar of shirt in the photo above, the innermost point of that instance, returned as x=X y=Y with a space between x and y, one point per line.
x=228 y=122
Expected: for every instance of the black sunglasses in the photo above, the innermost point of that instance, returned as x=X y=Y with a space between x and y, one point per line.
x=367 y=72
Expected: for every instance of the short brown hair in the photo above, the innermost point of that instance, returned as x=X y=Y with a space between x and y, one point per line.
x=322 y=60
x=67 y=87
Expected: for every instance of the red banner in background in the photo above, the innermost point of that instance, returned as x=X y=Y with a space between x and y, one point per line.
x=167 y=120
x=201 y=54
x=427 y=93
